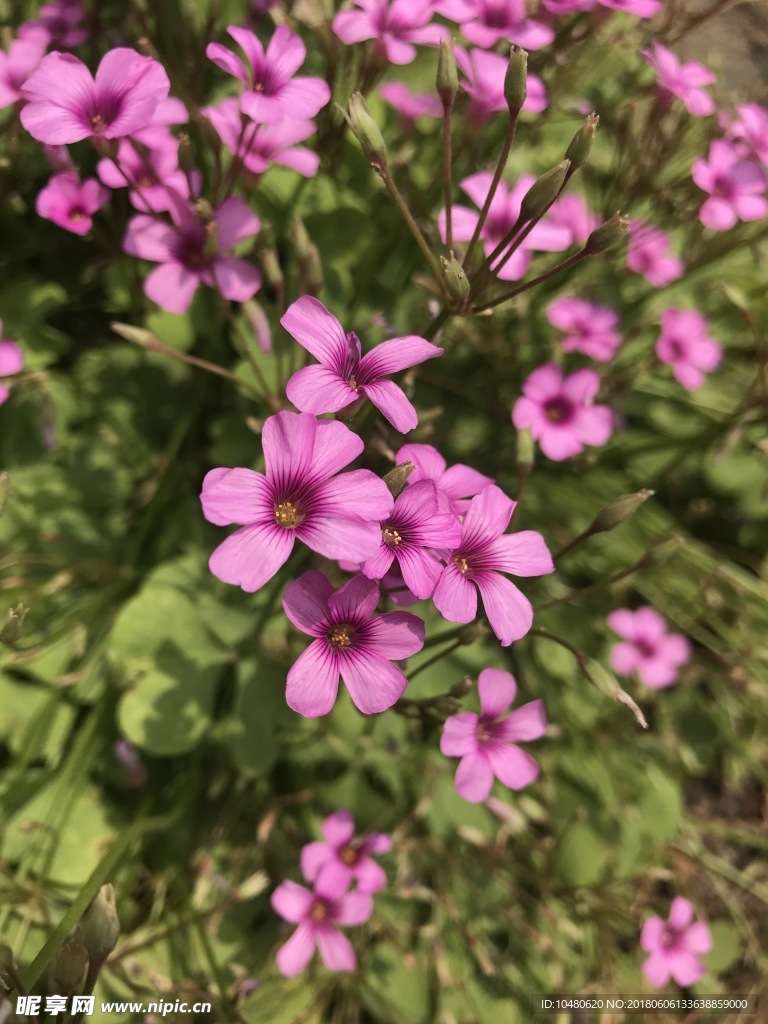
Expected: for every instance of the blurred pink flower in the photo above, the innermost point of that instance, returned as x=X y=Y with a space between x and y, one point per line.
x=23 y=56
x=649 y=255
x=415 y=526
x=395 y=25
x=61 y=20
x=751 y=126
x=318 y=914
x=350 y=641
x=572 y=213
x=410 y=105
x=191 y=252
x=487 y=743
x=65 y=103
x=300 y=496
x=346 y=857
x=70 y=203
x=149 y=174
x=640 y=8
x=488 y=22
x=343 y=374
x=456 y=484
x=674 y=946
x=502 y=216
x=682 y=80
x=484 y=553
x=271 y=90
x=484 y=84
x=569 y=6
x=647 y=648
x=11 y=362
x=736 y=187
x=685 y=344
x=589 y=329
x=559 y=411
x=266 y=144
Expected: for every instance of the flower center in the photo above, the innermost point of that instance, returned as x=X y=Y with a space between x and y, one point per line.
x=348 y=855
x=391 y=537
x=483 y=732
x=558 y=410
x=461 y=564
x=645 y=648
x=144 y=181
x=97 y=123
x=76 y=216
x=670 y=937
x=341 y=635
x=288 y=515
x=319 y=912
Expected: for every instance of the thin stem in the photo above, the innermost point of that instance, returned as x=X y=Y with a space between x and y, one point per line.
x=642 y=563
x=502 y=163
x=559 y=269
x=447 y=634
x=413 y=227
x=435 y=657
x=433 y=328
x=243 y=347
x=447 y=176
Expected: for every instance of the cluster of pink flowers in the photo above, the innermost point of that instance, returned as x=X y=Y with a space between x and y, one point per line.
x=647 y=648
x=331 y=867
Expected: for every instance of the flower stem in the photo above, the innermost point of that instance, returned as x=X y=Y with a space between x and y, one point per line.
x=447 y=176
x=559 y=269
x=435 y=657
x=502 y=163
x=397 y=198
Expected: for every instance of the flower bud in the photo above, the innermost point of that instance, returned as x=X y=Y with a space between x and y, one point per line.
x=456 y=281
x=461 y=689
x=314 y=271
x=366 y=131
x=301 y=240
x=474 y=631
x=5 y=489
x=100 y=926
x=11 y=629
x=618 y=511
x=607 y=683
x=68 y=968
x=524 y=449
x=447 y=76
x=186 y=154
x=543 y=192
x=516 y=80
x=581 y=143
x=397 y=478
x=203 y=210
x=613 y=231
x=270 y=264
x=446 y=706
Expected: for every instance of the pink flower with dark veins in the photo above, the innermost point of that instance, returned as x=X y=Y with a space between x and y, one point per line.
x=589 y=328
x=455 y=484
x=647 y=648
x=65 y=103
x=559 y=411
x=192 y=252
x=61 y=20
x=417 y=525
x=488 y=22
x=148 y=173
x=23 y=56
x=344 y=374
x=350 y=641
x=263 y=145
x=345 y=856
x=684 y=81
x=484 y=84
x=487 y=743
x=675 y=946
x=71 y=203
x=298 y=497
x=736 y=187
x=318 y=915
x=478 y=561
x=271 y=90
x=395 y=25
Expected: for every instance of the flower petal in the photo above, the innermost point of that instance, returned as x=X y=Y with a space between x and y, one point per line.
x=172 y=287
x=354 y=601
x=374 y=683
x=455 y=596
x=459 y=735
x=319 y=389
x=680 y=913
x=314 y=856
x=522 y=554
x=313 y=681
x=528 y=722
x=291 y=901
x=318 y=331
x=512 y=765
x=488 y=515
x=396 y=354
x=294 y=955
x=393 y=405
x=509 y=611
x=335 y=949
x=306 y=602
x=355 y=907
x=656 y=970
x=396 y=635
x=251 y=556
x=339 y=828
x=239 y=496
x=474 y=778
x=497 y=690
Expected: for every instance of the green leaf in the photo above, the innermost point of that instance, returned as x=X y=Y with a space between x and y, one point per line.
x=581 y=855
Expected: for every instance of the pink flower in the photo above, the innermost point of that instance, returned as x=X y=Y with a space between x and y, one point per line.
x=647 y=647
x=410 y=105
x=484 y=84
x=268 y=144
x=70 y=203
x=640 y=8
x=299 y=497
x=560 y=413
x=569 y=6
x=61 y=21
x=416 y=523
x=589 y=328
x=487 y=743
x=572 y=214
x=344 y=374
x=395 y=25
x=346 y=857
x=455 y=484
x=271 y=91
x=735 y=187
x=348 y=641
x=674 y=945
x=66 y=104
x=488 y=22
x=681 y=80
x=11 y=362
x=485 y=552
x=23 y=56
x=318 y=914
x=149 y=173
x=502 y=216
x=685 y=344
x=191 y=252
x=648 y=254
x=752 y=127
